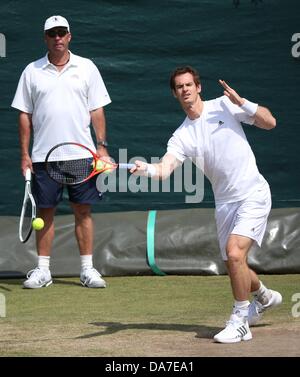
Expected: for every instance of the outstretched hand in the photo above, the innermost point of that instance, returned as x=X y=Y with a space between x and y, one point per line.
x=140 y=168
x=232 y=94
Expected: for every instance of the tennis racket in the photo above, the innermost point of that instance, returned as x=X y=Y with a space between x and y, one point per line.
x=72 y=163
x=28 y=213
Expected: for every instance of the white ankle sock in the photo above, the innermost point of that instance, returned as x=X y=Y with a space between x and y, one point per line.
x=240 y=308
x=263 y=294
x=86 y=261
x=44 y=262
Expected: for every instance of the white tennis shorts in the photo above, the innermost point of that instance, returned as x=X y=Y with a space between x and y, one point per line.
x=247 y=217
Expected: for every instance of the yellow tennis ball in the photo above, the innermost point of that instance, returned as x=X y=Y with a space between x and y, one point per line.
x=38 y=223
x=100 y=165
x=108 y=171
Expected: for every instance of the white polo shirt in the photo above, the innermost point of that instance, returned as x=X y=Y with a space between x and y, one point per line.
x=60 y=102
x=218 y=140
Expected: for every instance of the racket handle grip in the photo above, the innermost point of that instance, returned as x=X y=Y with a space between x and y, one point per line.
x=126 y=166
x=28 y=175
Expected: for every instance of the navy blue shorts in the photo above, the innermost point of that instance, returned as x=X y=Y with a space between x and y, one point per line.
x=49 y=193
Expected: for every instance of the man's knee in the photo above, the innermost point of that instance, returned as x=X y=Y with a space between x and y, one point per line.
x=234 y=254
x=237 y=248
x=81 y=210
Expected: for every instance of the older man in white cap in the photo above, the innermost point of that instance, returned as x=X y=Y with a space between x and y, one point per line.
x=58 y=96
x=57 y=37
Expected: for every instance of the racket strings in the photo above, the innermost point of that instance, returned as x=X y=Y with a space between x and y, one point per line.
x=63 y=169
x=27 y=220
x=73 y=171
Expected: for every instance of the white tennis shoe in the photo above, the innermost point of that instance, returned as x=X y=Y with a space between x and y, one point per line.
x=38 y=278
x=91 y=278
x=256 y=309
x=236 y=329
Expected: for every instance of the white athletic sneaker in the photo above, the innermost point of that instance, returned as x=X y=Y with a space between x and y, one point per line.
x=91 y=278
x=38 y=278
x=236 y=329
x=256 y=309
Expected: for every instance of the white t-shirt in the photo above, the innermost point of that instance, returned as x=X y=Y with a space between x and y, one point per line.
x=217 y=139
x=60 y=102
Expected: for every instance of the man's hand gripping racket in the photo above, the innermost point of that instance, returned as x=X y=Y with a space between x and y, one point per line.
x=72 y=163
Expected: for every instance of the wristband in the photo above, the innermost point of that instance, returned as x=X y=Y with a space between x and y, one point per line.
x=151 y=170
x=250 y=108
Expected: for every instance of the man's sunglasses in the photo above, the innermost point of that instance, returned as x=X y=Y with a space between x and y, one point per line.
x=53 y=33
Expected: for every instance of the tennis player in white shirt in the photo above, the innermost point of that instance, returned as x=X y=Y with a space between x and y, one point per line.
x=212 y=132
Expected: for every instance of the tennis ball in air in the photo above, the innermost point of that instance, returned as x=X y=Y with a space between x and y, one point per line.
x=38 y=223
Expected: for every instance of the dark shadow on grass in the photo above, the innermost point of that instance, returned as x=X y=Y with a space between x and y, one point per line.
x=4 y=288
x=201 y=331
x=66 y=282
x=20 y=283
x=10 y=282
x=260 y=325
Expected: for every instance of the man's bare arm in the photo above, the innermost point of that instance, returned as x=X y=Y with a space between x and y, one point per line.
x=262 y=116
x=161 y=170
x=25 y=126
x=99 y=125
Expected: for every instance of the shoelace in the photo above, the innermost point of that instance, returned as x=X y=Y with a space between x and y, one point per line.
x=35 y=273
x=229 y=323
x=232 y=322
x=93 y=273
x=259 y=307
x=264 y=299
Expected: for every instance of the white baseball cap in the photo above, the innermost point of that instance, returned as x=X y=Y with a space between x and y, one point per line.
x=56 y=21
